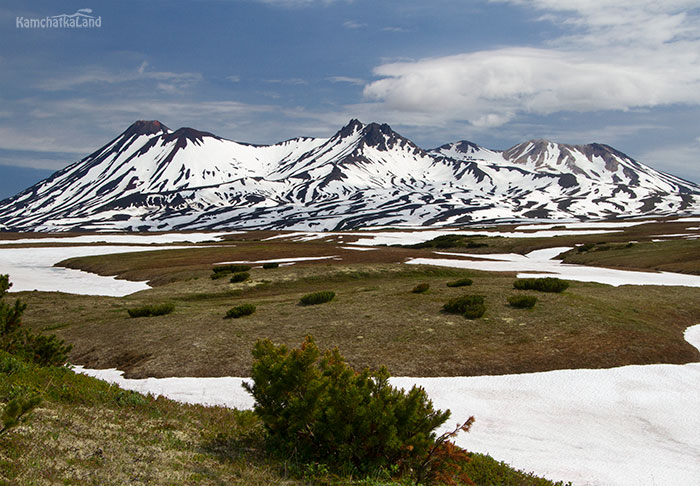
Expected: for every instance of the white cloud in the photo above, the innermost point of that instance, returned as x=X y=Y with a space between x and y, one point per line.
x=352 y=24
x=346 y=79
x=288 y=81
x=97 y=75
x=616 y=56
x=234 y=78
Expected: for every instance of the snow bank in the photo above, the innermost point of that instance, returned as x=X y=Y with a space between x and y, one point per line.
x=623 y=426
x=126 y=239
x=540 y=263
x=279 y=260
x=370 y=238
x=32 y=269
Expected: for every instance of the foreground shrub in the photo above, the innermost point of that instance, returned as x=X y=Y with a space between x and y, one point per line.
x=317 y=409
x=462 y=282
x=151 y=310
x=240 y=311
x=270 y=265
x=420 y=288
x=548 y=284
x=45 y=350
x=240 y=277
x=317 y=298
x=522 y=301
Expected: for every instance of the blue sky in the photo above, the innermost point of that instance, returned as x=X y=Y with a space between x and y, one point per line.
x=625 y=73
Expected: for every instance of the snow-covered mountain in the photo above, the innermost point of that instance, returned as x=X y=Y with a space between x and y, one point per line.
x=153 y=178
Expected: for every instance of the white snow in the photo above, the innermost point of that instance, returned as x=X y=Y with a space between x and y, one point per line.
x=371 y=238
x=32 y=269
x=540 y=263
x=584 y=225
x=626 y=426
x=279 y=260
x=124 y=239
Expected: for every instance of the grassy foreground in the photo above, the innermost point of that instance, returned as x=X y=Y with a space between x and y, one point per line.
x=86 y=432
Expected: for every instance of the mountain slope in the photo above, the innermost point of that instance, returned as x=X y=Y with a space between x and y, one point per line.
x=153 y=178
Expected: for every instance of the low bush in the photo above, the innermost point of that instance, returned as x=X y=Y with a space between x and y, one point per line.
x=270 y=265
x=42 y=349
x=317 y=298
x=240 y=311
x=547 y=284
x=585 y=247
x=522 y=301
x=462 y=282
x=151 y=310
x=459 y=305
x=240 y=277
x=470 y=306
x=421 y=288
x=474 y=311
x=317 y=410
x=231 y=268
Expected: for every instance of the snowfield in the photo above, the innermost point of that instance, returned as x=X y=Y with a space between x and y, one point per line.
x=541 y=263
x=626 y=426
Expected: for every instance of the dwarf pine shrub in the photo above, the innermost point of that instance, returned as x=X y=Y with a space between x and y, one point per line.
x=240 y=277
x=270 y=265
x=151 y=310
x=470 y=306
x=547 y=284
x=421 y=288
x=231 y=268
x=45 y=350
x=522 y=301
x=459 y=305
x=317 y=298
x=318 y=410
x=462 y=282
x=240 y=311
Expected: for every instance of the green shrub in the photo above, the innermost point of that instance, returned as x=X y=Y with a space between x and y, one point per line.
x=45 y=350
x=240 y=277
x=547 y=284
x=231 y=268
x=240 y=311
x=269 y=265
x=474 y=244
x=470 y=306
x=522 y=301
x=152 y=310
x=317 y=298
x=474 y=311
x=462 y=282
x=585 y=247
x=459 y=305
x=318 y=410
x=421 y=288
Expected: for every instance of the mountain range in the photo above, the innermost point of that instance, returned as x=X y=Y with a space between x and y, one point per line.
x=151 y=178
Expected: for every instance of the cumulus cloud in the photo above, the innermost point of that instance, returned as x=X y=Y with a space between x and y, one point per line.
x=617 y=55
